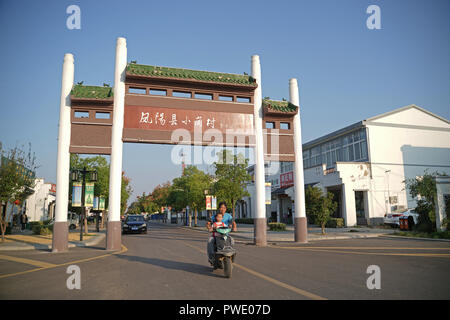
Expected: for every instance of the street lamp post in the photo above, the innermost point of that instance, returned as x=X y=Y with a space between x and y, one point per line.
x=75 y=176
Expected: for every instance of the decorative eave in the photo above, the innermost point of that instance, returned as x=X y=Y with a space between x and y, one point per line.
x=273 y=107
x=194 y=76
x=94 y=94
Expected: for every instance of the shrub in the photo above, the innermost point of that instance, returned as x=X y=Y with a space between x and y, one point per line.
x=35 y=223
x=41 y=229
x=335 y=223
x=277 y=226
x=244 y=220
x=424 y=221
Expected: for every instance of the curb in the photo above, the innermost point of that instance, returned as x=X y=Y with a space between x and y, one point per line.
x=346 y=237
x=91 y=242
x=414 y=238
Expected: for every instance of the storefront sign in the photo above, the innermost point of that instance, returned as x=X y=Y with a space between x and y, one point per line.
x=287 y=179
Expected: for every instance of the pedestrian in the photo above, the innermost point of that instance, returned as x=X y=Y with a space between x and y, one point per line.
x=24 y=220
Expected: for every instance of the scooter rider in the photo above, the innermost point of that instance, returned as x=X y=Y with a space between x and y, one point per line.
x=227 y=219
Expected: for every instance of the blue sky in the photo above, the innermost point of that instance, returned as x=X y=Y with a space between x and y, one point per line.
x=346 y=72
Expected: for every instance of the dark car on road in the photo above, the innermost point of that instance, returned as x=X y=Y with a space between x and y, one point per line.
x=134 y=223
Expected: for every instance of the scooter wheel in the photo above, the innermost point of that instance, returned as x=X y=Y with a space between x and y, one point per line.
x=227 y=267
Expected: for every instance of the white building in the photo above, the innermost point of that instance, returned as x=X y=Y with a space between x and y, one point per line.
x=40 y=205
x=365 y=165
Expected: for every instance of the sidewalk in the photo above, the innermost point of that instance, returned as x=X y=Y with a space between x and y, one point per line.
x=245 y=232
x=26 y=240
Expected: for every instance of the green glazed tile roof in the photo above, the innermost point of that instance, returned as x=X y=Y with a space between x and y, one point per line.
x=91 y=92
x=283 y=106
x=155 y=71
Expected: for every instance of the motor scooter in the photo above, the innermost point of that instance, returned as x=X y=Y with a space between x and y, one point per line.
x=224 y=252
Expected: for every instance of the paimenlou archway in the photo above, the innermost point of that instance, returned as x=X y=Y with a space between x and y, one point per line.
x=162 y=105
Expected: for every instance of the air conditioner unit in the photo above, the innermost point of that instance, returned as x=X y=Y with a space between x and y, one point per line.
x=393 y=200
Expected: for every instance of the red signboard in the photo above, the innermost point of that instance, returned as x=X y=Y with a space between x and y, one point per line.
x=287 y=179
x=168 y=119
x=53 y=188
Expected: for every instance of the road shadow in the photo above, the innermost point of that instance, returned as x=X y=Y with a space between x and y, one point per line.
x=173 y=265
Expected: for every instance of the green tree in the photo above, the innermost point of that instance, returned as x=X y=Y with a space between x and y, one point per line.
x=160 y=194
x=144 y=203
x=319 y=206
x=17 y=178
x=177 y=197
x=126 y=191
x=424 y=188
x=193 y=184
x=231 y=178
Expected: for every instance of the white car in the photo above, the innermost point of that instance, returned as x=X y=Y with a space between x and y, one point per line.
x=393 y=218
x=412 y=215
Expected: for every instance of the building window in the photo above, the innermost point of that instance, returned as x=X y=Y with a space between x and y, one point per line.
x=102 y=115
x=285 y=126
x=270 y=125
x=81 y=114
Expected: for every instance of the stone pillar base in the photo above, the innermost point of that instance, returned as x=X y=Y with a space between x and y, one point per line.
x=60 y=239
x=114 y=235
x=300 y=230
x=260 y=232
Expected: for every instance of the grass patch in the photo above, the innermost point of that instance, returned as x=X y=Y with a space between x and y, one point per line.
x=432 y=235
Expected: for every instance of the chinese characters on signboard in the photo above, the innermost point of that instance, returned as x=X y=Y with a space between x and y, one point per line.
x=168 y=119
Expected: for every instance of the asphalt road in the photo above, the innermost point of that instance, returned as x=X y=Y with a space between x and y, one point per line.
x=170 y=263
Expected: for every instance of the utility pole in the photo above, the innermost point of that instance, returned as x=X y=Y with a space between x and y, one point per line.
x=389 y=194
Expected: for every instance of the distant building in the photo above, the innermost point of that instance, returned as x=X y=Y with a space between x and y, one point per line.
x=365 y=165
x=41 y=204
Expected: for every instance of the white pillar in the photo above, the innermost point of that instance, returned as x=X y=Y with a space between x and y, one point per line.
x=299 y=217
x=115 y=173
x=60 y=232
x=349 y=205
x=260 y=212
